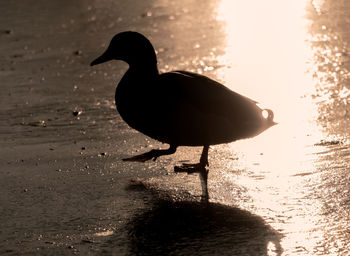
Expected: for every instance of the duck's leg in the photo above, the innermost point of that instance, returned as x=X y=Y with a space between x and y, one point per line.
x=203 y=174
x=201 y=169
x=153 y=154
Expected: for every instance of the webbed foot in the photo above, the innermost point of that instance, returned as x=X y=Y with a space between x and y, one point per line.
x=151 y=155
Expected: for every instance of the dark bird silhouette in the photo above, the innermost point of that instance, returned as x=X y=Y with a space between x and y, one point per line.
x=179 y=108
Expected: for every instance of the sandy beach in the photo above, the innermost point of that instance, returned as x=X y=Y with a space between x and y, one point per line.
x=64 y=188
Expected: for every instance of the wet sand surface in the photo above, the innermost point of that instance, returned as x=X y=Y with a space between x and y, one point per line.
x=63 y=187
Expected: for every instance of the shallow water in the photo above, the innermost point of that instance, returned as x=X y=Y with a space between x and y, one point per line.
x=63 y=186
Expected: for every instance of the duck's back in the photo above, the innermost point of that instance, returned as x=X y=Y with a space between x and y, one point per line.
x=184 y=108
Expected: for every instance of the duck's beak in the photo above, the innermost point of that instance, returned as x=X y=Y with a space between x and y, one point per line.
x=103 y=58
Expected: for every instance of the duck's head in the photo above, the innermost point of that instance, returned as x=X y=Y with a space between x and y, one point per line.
x=131 y=47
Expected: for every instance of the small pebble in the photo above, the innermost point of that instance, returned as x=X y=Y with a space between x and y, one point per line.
x=77 y=113
x=87 y=241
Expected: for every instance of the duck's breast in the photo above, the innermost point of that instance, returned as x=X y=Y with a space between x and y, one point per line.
x=137 y=99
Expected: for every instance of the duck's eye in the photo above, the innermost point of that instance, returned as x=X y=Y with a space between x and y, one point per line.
x=265 y=114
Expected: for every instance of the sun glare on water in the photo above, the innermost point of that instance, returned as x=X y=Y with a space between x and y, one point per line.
x=266 y=60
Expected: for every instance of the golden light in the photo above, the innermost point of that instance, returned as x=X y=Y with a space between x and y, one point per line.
x=267 y=59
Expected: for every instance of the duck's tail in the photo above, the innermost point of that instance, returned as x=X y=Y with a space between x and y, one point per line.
x=269 y=118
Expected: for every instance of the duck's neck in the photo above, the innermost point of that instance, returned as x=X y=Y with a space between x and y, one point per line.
x=144 y=69
x=133 y=83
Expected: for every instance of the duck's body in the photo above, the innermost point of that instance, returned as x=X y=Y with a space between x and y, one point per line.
x=179 y=108
x=186 y=109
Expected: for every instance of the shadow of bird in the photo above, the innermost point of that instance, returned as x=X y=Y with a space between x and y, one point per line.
x=179 y=108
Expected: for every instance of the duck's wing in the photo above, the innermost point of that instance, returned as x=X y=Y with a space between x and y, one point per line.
x=208 y=96
x=198 y=110
x=200 y=80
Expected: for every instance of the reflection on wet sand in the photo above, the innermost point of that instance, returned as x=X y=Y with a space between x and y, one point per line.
x=168 y=227
x=191 y=228
x=329 y=38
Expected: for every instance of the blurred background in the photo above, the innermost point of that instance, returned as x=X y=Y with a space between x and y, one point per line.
x=63 y=186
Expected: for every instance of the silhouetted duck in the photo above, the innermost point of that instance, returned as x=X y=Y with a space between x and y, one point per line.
x=179 y=108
